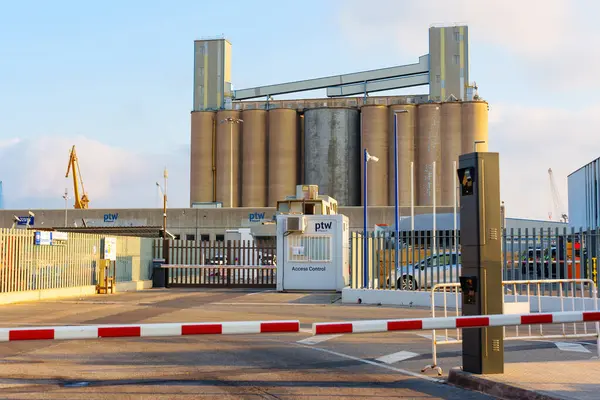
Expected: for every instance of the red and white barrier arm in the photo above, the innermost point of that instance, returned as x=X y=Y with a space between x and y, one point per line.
x=478 y=321
x=147 y=330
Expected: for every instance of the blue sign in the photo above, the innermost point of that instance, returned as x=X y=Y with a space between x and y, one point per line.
x=43 y=238
x=111 y=217
x=256 y=217
x=24 y=220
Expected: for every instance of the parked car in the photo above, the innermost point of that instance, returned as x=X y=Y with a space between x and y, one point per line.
x=424 y=274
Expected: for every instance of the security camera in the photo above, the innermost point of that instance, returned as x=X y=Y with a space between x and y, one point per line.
x=374 y=158
x=16 y=219
x=31 y=214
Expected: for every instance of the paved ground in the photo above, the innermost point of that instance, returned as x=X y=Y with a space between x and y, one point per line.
x=273 y=366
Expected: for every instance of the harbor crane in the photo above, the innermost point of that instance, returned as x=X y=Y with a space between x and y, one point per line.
x=80 y=202
x=558 y=206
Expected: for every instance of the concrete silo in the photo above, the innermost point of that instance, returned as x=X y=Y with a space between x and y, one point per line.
x=407 y=128
x=332 y=153
x=254 y=158
x=375 y=127
x=428 y=150
x=202 y=180
x=451 y=149
x=474 y=125
x=283 y=154
x=228 y=168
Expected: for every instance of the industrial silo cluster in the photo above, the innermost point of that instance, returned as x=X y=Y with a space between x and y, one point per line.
x=259 y=161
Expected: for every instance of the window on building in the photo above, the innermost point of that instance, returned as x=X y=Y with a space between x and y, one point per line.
x=456 y=59
x=177 y=237
x=220 y=238
x=205 y=238
x=309 y=209
x=190 y=237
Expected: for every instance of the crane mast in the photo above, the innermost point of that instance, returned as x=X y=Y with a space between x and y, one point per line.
x=73 y=167
x=556 y=198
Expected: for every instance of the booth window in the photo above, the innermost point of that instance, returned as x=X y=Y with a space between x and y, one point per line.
x=205 y=238
x=190 y=237
x=307 y=248
x=309 y=209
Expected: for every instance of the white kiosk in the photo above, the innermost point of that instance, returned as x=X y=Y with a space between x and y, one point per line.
x=312 y=250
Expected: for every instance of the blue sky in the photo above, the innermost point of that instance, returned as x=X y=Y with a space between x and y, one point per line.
x=115 y=78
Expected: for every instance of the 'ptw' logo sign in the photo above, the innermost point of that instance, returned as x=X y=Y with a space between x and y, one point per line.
x=322 y=226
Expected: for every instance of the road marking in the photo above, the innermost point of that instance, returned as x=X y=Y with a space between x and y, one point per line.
x=576 y=347
x=243 y=303
x=400 y=370
x=438 y=338
x=317 y=339
x=304 y=330
x=395 y=357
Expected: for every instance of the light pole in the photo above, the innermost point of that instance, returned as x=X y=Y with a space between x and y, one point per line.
x=164 y=196
x=66 y=197
x=231 y=121
x=397 y=217
x=367 y=158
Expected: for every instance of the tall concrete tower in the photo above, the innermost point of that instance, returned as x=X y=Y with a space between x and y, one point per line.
x=212 y=74
x=448 y=62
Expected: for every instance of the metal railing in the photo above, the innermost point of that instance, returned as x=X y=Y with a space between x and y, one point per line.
x=427 y=258
x=526 y=296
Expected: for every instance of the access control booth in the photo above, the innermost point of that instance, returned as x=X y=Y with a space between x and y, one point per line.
x=312 y=252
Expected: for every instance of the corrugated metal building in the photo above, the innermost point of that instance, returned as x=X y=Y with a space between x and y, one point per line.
x=584 y=196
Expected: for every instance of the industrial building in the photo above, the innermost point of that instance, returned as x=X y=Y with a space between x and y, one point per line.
x=584 y=196
x=211 y=224
x=248 y=150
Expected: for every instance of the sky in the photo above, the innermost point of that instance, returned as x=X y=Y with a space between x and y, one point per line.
x=115 y=79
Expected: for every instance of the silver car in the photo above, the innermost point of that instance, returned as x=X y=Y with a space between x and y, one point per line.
x=437 y=268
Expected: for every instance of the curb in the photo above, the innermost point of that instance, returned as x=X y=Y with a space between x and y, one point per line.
x=499 y=390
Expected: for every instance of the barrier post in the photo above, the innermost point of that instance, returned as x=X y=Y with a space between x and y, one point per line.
x=481 y=280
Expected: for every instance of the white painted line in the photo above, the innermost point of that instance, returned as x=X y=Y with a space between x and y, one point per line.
x=395 y=357
x=317 y=339
x=513 y=319
x=575 y=347
x=369 y=326
x=241 y=327
x=439 y=323
x=573 y=317
x=4 y=335
x=438 y=338
x=161 y=330
x=243 y=303
x=400 y=370
x=304 y=330
x=76 y=332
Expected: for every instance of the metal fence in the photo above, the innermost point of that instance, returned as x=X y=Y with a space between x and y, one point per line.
x=230 y=253
x=522 y=297
x=427 y=258
x=73 y=262
x=235 y=263
x=26 y=266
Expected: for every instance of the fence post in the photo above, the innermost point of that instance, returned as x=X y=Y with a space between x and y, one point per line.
x=167 y=259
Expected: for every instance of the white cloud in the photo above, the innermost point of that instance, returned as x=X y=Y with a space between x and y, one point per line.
x=530 y=140
x=551 y=37
x=34 y=174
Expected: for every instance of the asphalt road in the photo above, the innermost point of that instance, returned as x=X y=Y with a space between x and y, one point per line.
x=267 y=366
